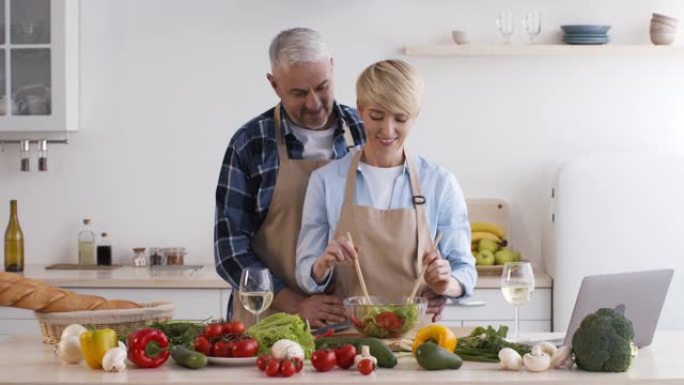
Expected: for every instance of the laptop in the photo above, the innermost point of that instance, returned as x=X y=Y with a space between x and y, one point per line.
x=639 y=296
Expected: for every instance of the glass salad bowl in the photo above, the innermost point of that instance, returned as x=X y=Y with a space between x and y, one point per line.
x=385 y=317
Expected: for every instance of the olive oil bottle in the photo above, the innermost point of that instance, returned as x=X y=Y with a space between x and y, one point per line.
x=14 y=242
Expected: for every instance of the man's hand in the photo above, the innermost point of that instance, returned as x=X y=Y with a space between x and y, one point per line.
x=436 y=303
x=437 y=272
x=321 y=310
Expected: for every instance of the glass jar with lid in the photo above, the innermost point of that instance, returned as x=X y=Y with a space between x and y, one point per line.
x=174 y=255
x=139 y=259
x=156 y=256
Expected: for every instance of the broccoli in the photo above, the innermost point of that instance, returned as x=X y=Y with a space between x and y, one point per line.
x=603 y=342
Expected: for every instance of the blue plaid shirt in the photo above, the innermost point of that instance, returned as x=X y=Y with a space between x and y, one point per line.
x=246 y=183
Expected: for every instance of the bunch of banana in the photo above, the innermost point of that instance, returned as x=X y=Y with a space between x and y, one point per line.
x=488 y=244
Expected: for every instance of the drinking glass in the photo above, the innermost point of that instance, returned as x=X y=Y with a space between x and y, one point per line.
x=517 y=284
x=532 y=24
x=256 y=290
x=505 y=24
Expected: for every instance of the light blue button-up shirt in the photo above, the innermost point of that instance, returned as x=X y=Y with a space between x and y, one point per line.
x=445 y=209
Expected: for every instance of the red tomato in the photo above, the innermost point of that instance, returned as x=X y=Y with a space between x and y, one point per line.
x=237 y=328
x=213 y=331
x=366 y=366
x=388 y=321
x=203 y=345
x=287 y=368
x=263 y=361
x=245 y=348
x=323 y=360
x=298 y=363
x=273 y=368
x=345 y=355
x=223 y=349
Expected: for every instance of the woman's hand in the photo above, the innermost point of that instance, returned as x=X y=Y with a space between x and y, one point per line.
x=438 y=274
x=339 y=250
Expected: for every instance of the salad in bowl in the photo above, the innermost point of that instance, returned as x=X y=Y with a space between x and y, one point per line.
x=384 y=317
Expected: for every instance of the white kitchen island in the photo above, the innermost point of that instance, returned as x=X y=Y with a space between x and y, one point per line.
x=26 y=360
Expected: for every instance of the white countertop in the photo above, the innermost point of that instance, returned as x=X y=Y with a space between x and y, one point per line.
x=206 y=277
x=27 y=360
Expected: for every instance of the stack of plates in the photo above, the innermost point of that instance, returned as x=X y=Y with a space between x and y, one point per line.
x=585 y=34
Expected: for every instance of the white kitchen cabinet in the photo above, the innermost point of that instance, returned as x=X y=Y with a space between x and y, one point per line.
x=39 y=68
x=535 y=316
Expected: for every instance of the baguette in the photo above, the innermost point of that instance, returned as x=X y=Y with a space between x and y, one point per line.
x=17 y=291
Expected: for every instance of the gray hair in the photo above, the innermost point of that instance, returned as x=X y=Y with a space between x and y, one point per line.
x=297 y=45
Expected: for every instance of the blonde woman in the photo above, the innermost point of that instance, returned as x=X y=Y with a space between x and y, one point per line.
x=391 y=202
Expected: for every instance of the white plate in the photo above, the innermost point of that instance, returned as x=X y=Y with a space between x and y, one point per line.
x=233 y=361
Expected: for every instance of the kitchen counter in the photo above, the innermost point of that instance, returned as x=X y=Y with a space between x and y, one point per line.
x=167 y=277
x=27 y=360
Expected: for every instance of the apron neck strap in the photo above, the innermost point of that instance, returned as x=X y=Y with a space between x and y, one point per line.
x=350 y=186
x=280 y=140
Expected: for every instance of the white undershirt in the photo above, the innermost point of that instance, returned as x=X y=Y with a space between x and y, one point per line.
x=317 y=143
x=380 y=181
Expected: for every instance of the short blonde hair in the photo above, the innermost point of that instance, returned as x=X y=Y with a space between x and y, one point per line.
x=392 y=85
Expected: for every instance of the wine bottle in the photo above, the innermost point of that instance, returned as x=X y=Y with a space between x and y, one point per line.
x=14 y=242
x=86 y=245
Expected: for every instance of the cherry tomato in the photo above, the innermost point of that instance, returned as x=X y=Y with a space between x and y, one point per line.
x=287 y=368
x=388 y=321
x=345 y=355
x=366 y=366
x=203 y=345
x=237 y=328
x=213 y=331
x=223 y=349
x=245 y=348
x=263 y=361
x=273 y=368
x=298 y=363
x=323 y=360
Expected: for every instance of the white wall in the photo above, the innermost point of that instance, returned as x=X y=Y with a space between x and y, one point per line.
x=165 y=83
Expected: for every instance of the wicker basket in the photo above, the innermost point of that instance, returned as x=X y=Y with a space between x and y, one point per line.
x=123 y=320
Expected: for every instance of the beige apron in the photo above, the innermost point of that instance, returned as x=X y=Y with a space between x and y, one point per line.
x=276 y=241
x=391 y=242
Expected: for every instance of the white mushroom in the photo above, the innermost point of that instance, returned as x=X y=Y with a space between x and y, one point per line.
x=69 y=350
x=115 y=359
x=536 y=361
x=510 y=359
x=562 y=359
x=547 y=347
x=285 y=348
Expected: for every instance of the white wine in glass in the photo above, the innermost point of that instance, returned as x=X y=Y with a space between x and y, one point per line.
x=256 y=290
x=517 y=285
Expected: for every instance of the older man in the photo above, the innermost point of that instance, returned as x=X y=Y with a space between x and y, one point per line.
x=266 y=170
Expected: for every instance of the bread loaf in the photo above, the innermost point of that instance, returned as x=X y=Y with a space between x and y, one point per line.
x=17 y=291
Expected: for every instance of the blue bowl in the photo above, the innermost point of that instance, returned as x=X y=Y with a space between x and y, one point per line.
x=585 y=29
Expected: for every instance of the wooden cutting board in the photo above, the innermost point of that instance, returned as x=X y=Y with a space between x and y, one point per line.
x=74 y=266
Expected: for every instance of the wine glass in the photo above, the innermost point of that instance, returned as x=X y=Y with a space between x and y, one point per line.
x=532 y=24
x=256 y=290
x=517 y=284
x=505 y=24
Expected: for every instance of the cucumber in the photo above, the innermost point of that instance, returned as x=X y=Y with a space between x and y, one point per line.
x=188 y=358
x=378 y=349
x=434 y=357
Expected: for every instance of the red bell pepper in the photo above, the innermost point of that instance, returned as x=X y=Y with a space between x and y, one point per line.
x=148 y=348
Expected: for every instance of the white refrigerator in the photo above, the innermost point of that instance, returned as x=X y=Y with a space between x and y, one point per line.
x=616 y=212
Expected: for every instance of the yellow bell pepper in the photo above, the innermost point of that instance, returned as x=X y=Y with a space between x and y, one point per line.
x=94 y=345
x=439 y=334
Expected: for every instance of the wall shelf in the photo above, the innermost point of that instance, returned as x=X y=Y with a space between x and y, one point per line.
x=543 y=50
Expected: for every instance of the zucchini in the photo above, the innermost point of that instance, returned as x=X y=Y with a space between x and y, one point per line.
x=188 y=358
x=378 y=349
